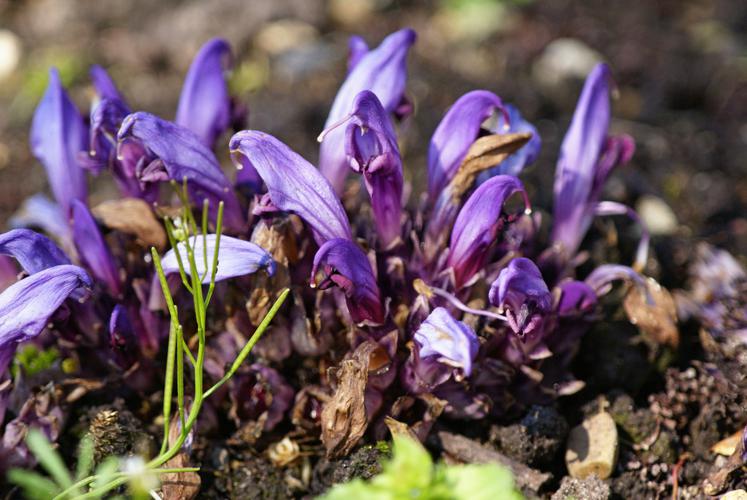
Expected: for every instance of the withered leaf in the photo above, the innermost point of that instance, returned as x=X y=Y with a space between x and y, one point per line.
x=654 y=312
x=132 y=216
x=179 y=485
x=485 y=152
x=344 y=418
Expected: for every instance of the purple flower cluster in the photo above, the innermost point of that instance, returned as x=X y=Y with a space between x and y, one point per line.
x=456 y=296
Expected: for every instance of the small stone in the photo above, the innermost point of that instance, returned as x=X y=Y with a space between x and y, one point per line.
x=10 y=53
x=592 y=447
x=657 y=215
x=591 y=488
x=564 y=60
x=734 y=495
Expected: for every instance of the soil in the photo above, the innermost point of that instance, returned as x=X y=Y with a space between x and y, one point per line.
x=682 y=94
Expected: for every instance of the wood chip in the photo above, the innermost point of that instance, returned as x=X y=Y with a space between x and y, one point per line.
x=466 y=450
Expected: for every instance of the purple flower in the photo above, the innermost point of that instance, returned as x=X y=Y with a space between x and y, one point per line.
x=33 y=251
x=260 y=394
x=576 y=299
x=477 y=226
x=204 y=104
x=383 y=71
x=26 y=306
x=601 y=279
x=293 y=184
x=459 y=128
x=371 y=148
x=104 y=85
x=122 y=338
x=235 y=258
x=158 y=150
x=587 y=156
x=93 y=250
x=357 y=48
x=451 y=342
x=58 y=135
x=523 y=294
x=342 y=263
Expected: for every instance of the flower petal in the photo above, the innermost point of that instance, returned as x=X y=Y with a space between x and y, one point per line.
x=357 y=48
x=33 y=251
x=93 y=250
x=459 y=128
x=176 y=153
x=104 y=85
x=26 y=306
x=293 y=184
x=383 y=71
x=235 y=258
x=477 y=225
x=524 y=295
x=58 y=135
x=204 y=104
x=587 y=156
x=452 y=341
x=371 y=147
x=340 y=262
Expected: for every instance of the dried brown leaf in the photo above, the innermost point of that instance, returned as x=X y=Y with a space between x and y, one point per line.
x=485 y=152
x=132 y=216
x=729 y=445
x=180 y=485
x=654 y=312
x=344 y=418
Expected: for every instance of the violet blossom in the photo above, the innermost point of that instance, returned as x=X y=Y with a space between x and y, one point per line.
x=383 y=71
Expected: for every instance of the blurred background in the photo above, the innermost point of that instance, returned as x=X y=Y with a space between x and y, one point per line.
x=680 y=68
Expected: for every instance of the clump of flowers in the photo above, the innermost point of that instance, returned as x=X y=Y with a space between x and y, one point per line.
x=449 y=304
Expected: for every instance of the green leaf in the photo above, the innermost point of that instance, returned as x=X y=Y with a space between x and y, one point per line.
x=481 y=482
x=34 y=485
x=48 y=457
x=85 y=457
x=105 y=471
x=410 y=474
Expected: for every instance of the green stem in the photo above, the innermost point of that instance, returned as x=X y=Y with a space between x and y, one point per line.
x=253 y=340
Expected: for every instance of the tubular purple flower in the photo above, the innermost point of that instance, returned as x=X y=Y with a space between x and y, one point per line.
x=104 y=85
x=342 y=263
x=159 y=150
x=587 y=156
x=523 y=294
x=453 y=343
x=204 y=103
x=576 y=298
x=601 y=278
x=58 y=135
x=371 y=148
x=260 y=393
x=383 y=71
x=93 y=250
x=33 y=251
x=293 y=184
x=459 y=128
x=235 y=258
x=122 y=338
x=357 y=48
x=477 y=225
x=26 y=306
